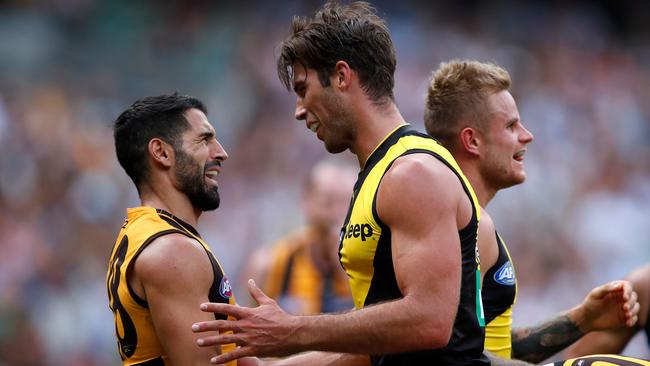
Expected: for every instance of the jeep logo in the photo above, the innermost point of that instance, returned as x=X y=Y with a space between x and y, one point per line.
x=364 y=231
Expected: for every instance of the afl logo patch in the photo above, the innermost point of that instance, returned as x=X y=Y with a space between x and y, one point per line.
x=505 y=275
x=225 y=289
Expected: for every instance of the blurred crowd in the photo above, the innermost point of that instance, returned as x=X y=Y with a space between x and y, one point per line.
x=581 y=74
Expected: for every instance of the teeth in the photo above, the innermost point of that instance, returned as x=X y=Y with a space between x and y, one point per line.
x=314 y=126
x=212 y=174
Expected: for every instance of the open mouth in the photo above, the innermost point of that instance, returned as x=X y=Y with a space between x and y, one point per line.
x=212 y=175
x=519 y=156
x=313 y=126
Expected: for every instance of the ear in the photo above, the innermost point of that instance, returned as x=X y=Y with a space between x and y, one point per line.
x=342 y=76
x=470 y=140
x=161 y=152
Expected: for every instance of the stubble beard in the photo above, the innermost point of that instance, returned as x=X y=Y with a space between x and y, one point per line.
x=192 y=183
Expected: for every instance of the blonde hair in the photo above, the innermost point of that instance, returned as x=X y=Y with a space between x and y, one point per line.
x=458 y=92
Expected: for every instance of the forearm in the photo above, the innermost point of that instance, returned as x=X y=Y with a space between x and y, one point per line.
x=535 y=344
x=322 y=359
x=391 y=327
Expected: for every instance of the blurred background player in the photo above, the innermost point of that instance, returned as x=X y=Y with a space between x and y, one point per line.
x=615 y=340
x=470 y=111
x=302 y=270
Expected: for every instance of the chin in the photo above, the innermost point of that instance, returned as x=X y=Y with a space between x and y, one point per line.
x=335 y=149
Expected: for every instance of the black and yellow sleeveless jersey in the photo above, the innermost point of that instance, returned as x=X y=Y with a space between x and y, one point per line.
x=499 y=292
x=296 y=282
x=603 y=360
x=137 y=341
x=365 y=253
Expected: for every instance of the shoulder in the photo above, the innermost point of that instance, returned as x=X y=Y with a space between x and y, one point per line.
x=173 y=258
x=423 y=172
x=417 y=183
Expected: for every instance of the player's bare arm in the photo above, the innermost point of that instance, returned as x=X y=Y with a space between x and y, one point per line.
x=174 y=286
x=615 y=340
x=610 y=306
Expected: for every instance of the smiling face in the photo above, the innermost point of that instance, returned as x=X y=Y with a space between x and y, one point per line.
x=323 y=109
x=198 y=162
x=505 y=141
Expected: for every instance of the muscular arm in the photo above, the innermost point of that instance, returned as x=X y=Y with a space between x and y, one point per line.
x=427 y=263
x=610 y=306
x=175 y=275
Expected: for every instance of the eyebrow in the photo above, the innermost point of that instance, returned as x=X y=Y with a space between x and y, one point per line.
x=206 y=134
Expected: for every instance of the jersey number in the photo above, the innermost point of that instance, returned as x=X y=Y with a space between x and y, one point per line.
x=126 y=343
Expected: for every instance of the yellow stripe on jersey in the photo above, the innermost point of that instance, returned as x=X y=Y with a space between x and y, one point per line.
x=499 y=298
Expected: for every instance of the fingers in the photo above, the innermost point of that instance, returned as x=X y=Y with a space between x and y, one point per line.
x=225 y=338
x=215 y=325
x=226 y=309
x=631 y=301
x=627 y=289
x=258 y=295
x=633 y=315
x=237 y=353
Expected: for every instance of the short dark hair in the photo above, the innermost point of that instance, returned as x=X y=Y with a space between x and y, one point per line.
x=150 y=117
x=352 y=33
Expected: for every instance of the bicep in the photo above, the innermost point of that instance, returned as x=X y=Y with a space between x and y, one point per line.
x=419 y=204
x=176 y=281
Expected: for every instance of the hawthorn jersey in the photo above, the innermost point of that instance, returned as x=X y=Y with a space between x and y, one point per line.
x=297 y=283
x=603 y=360
x=499 y=292
x=137 y=341
x=365 y=253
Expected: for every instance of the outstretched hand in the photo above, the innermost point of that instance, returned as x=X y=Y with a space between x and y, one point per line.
x=265 y=330
x=610 y=306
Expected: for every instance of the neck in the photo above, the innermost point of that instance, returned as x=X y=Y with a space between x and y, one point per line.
x=484 y=192
x=374 y=123
x=171 y=200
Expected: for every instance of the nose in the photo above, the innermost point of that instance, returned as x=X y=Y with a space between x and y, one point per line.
x=219 y=152
x=301 y=112
x=526 y=137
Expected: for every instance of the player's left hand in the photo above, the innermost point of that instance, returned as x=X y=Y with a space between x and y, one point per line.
x=261 y=331
x=609 y=306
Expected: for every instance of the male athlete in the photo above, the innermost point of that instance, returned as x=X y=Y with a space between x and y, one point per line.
x=408 y=244
x=471 y=112
x=160 y=269
x=302 y=270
